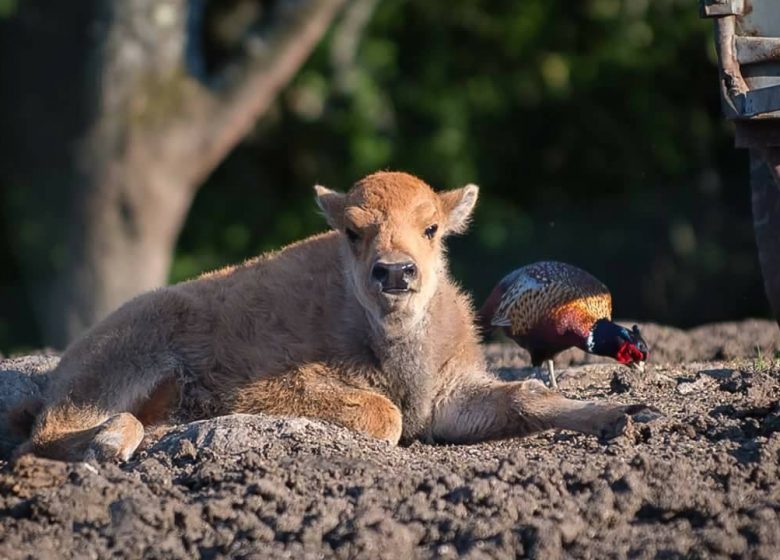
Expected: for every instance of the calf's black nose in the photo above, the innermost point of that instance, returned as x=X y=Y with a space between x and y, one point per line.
x=394 y=277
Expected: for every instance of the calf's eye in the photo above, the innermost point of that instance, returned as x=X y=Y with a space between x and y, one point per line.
x=351 y=234
x=431 y=230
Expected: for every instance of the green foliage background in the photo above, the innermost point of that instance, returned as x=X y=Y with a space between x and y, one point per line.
x=592 y=127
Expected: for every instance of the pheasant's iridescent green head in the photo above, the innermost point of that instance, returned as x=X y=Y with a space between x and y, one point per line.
x=624 y=345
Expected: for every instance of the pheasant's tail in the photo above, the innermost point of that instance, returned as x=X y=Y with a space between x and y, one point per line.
x=486 y=314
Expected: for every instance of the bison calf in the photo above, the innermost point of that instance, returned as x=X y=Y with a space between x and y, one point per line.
x=360 y=326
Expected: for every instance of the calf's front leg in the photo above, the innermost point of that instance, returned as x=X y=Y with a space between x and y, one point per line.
x=315 y=391
x=487 y=409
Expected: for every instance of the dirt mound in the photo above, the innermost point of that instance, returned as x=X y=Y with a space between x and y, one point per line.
x=703 y=481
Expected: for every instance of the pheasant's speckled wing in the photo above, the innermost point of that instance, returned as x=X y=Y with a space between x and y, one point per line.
x=547 y=289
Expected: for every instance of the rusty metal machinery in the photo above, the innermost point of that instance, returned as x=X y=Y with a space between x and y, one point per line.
x=747 y=36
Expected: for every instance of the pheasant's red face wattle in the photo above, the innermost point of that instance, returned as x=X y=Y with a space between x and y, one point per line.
x=629 y=353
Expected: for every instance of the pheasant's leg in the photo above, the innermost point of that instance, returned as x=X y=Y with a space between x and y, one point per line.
x=486 y=409
x=551 y=373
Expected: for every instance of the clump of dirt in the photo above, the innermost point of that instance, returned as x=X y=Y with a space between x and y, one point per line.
x=703 y=481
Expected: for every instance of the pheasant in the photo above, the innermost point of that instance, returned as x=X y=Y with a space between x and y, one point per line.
x=547 y=307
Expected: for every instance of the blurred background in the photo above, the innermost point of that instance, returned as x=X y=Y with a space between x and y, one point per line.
x=593 y=128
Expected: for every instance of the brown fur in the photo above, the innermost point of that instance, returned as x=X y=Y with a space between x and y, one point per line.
x=306 y=331
x=156 y=408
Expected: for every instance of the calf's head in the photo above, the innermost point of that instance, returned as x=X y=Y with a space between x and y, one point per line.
x=392 y=227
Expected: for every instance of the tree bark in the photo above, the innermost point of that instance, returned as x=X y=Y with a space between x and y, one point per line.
x=112 y=135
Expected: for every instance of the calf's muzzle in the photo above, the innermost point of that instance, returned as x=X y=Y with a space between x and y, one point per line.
x=394 y=277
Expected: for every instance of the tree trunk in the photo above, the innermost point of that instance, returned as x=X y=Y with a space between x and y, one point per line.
x=112 y=135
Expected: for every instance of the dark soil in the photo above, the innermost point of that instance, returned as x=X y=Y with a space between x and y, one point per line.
x=701 y=482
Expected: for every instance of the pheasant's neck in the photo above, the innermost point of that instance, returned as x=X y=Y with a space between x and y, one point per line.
x=601 y=339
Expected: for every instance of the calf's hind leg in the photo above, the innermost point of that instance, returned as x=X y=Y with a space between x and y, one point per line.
x=82 y=421
x=116 y=439
x=68 y=434
x=315 y=391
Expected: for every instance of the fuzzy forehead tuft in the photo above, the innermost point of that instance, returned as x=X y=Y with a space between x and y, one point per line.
x=386 y=191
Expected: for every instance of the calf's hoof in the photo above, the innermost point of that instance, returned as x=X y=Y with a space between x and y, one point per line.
x=621 y=418
x=116 y=439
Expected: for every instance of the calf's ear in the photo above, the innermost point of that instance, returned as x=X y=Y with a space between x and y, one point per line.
x=458 y=205
x=332 y=205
